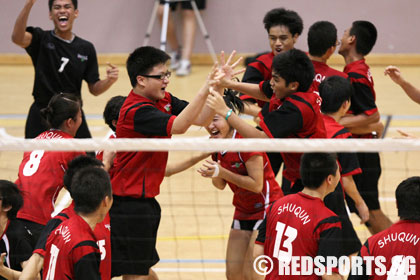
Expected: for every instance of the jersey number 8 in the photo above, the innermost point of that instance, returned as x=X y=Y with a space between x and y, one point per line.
x=33 y=163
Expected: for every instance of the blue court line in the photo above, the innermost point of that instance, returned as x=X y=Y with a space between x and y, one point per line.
x=192 y=261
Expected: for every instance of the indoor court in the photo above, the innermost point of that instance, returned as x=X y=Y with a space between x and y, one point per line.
x=196 y=217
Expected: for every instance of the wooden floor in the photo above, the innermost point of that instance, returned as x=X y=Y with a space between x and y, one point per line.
x=195 y=217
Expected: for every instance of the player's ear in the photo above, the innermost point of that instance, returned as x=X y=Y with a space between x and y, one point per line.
x=6 y=208
x=293 y=86
x=141 y=80
x=295 y=38
x=76 y=13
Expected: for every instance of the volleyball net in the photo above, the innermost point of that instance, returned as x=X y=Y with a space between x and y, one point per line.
x=196 y=217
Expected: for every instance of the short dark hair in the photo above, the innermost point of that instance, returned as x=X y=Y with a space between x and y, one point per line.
x=366 y=35
x=294 y=66
x=316 y=167
x=77 y=164
x=142 y=60
x=51 y=2
x=281 y=16
x=89 y=187
x=408 y=199
x=10 y=196
x=233 y=101
x=334 y=91
x=61 y=107
x=322 y=35
x=112 y=110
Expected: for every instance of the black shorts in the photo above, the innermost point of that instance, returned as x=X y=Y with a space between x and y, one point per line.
x=367 y=181
x=34 y=230
x=186 y=5
x=249 y=225
x=289 y=188
x=35 y=124
x=335 y=202
x=134 y=226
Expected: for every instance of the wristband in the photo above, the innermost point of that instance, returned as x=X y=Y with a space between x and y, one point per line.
x=216 y=171
x=228 y=114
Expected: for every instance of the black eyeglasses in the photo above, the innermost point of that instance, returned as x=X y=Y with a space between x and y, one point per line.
x=160 y=77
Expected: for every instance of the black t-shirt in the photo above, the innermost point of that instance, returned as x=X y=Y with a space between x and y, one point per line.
x=15 y=243
x=60 y=66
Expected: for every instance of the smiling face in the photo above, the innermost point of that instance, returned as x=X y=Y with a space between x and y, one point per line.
x=281 y=39
x=154 y=88
x=278 y=85
x=219 y=128
x=63 y=15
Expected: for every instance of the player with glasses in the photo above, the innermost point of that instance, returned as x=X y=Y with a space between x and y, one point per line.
x=162 y=76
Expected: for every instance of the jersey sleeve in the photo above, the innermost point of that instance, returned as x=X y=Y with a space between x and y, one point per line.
x=86 y=259
x=252 y=74
x=46 y=231
x=349 y=164
x=34 y=47
x=265 y=88
x=283 y=122
x=91 y=74
x=177 y=105
x=363 y=99
x=23 y=250
x=148 y=120
x=329 y=232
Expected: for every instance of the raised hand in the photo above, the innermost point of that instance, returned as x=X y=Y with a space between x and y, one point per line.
x=394 y=73
x=112 y=72
x=209 y=169
x=216 y=102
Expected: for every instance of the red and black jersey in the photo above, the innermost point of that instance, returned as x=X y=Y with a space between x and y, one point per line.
x=71 y=252
x=15 y=243
x=249 y=205
x=322 y=71
x=40 y=179
x=363 y=99
x=60 y=66
x=395 y=244
x=298 y=116
x=102 y=234
x=349 y=164
x=100 y=156
x=139 y=174
x=256 y=72
x=299 y=225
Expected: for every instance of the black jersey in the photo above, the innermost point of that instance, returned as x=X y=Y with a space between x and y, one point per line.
x=15 y=243
x=60 y=65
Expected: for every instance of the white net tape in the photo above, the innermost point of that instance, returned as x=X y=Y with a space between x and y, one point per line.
x=211 y=145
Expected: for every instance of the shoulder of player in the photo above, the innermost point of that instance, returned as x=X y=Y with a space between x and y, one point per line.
x=16 y=230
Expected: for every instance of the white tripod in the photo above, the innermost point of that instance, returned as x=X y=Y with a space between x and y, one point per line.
x=165 y=25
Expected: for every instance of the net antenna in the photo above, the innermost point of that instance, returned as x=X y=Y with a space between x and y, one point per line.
x=164 y=29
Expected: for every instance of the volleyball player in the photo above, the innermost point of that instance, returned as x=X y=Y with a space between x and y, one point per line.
x=15 y=248
x=250 y=177
x=40 y=177
x=300 y=224
x=336 y=93
x=148 y=112
x=397 y=247
x=296 y=114
x=284 y=28
x=71 y=250
x=356 y=43
x=61 y=61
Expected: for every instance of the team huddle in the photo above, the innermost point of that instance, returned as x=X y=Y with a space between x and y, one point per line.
x=110 y=228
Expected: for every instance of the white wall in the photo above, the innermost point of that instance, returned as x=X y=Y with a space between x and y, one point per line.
x=120 y=25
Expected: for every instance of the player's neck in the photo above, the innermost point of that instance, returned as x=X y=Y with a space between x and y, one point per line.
x=352 y=56
x=319 y=192
x=91 y=219
x=65 y=35
x=321 y=59
x=336 y=116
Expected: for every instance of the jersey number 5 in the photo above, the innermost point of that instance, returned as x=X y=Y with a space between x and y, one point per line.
x=64 y=60
x=33 y=163
x=290 y=233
